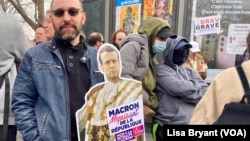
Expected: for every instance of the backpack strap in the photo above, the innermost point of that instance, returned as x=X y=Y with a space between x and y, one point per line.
x=242 y=58
x=6 y=107
x=1 y=81
x=244 y=82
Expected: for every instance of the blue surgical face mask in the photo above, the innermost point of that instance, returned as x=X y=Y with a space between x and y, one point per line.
x=159 y=46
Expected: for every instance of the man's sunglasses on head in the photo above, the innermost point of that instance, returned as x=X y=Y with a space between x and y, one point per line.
x=71 y=11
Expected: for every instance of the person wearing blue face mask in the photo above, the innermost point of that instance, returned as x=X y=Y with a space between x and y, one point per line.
x=178 y=88
x=159 y=46
x=137 y=53
x=161 y=40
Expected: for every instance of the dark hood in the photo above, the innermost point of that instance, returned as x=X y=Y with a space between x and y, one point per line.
x=169 y=51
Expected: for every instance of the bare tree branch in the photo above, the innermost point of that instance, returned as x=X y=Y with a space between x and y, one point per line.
x=22 y=12
x=22 y=6
x=40 y=6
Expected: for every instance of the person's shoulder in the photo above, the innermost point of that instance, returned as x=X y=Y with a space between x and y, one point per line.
x=246 y=67
x=134 y=40
x=229 y=73
x=44 y=44
x=163 y=69
x=38 y=48
x=246 y=64
x=91 y=49
x=10 y=21
x=136 y=36
x=162 y=66
x=95 y=89
x=131 y=83
x=9 y=17
x=98 y=86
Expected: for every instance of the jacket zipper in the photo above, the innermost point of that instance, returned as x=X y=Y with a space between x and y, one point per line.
x=49 y=64
x=57 y=52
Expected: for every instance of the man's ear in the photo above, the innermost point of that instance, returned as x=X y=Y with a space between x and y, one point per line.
x=83 y=18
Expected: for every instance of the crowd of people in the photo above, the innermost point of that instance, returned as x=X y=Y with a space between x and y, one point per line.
x=64 y=67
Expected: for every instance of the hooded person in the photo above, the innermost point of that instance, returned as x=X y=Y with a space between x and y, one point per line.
x=178 y=88
x=137 y=53
x=196 y=61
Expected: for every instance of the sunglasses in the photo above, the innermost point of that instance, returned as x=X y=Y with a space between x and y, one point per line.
x=71 y=11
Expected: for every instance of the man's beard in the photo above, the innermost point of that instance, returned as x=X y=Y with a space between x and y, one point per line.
x=67 y=35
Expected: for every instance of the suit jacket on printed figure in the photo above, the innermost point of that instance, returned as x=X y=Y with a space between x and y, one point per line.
x=92 y=116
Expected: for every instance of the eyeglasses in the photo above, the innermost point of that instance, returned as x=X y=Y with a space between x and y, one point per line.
x=102 y=42
x=71 y=11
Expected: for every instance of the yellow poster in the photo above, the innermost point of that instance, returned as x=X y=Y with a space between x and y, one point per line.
x=148 y=9
x=158 y=8
x=129 y=17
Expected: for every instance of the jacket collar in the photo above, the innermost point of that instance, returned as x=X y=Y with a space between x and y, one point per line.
x=53 y=46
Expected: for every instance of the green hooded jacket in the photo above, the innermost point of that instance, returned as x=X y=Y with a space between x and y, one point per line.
x=151 y=27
